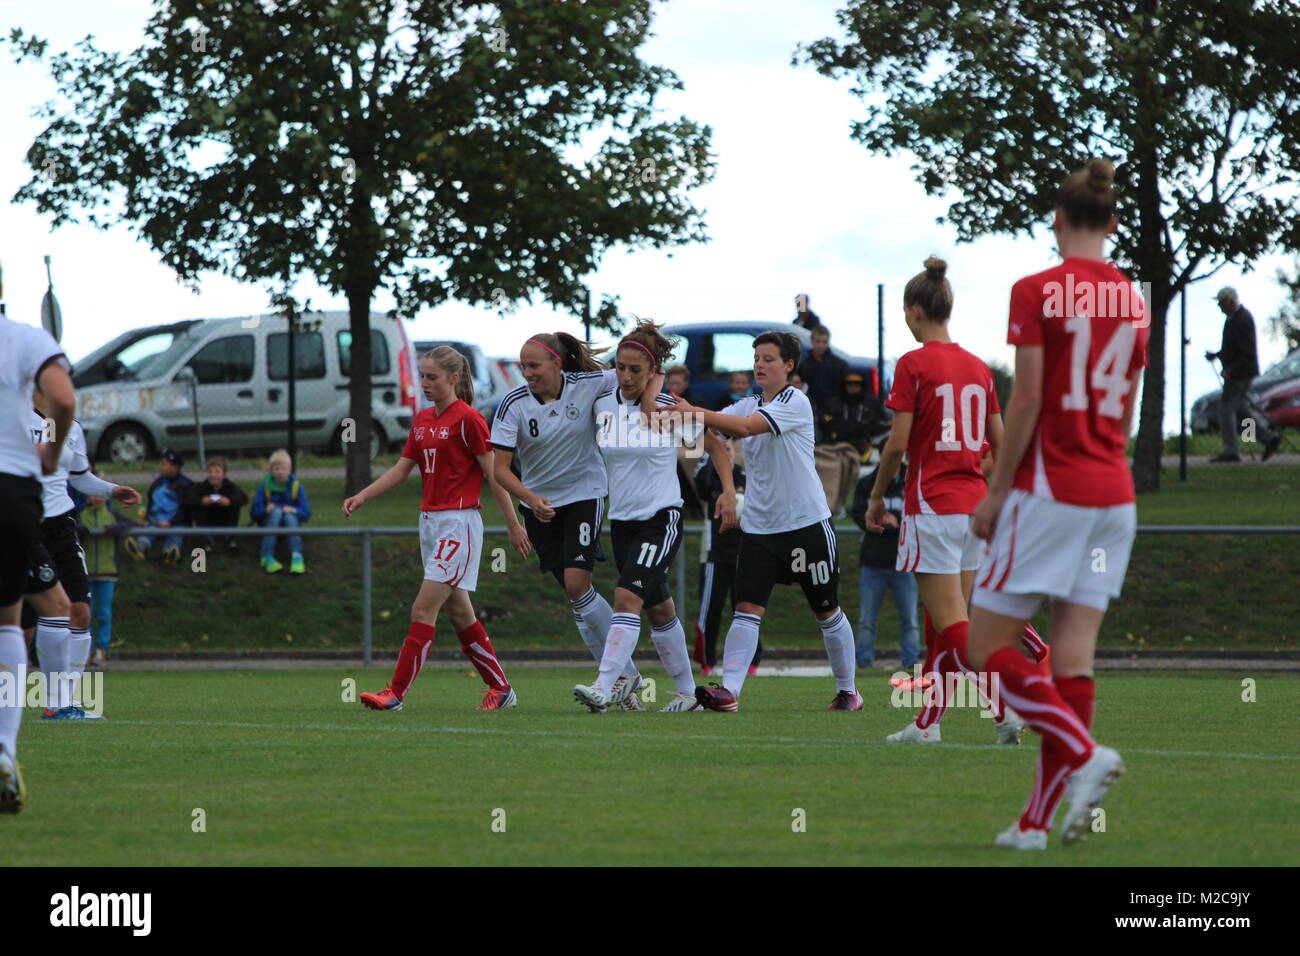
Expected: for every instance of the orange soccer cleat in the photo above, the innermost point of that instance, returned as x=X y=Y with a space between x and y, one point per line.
x=384 y=700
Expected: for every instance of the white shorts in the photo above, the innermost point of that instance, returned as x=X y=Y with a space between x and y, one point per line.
x=1044 y=548
x=451 y=543
x=937 y=544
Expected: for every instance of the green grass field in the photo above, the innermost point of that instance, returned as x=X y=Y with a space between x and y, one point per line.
x=287 y=773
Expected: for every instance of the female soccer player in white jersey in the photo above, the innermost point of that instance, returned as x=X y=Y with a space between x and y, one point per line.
x=1060 y=513
x=546 y=425
x=645 y=517
x=945 y=408
x=786 y=532
x=449 y=443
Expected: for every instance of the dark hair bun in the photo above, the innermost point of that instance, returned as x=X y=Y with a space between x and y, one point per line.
x=1101 y=173
x=935 y=268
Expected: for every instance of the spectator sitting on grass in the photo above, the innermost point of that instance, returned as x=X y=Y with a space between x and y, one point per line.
x=281 y=502
x=217 y=501
x=164 y=508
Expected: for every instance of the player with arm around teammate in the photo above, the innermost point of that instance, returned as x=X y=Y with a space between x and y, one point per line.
x=1060 y=515
x=786 y=531
x=546 y=427
x=645 y=513
x=449 y=443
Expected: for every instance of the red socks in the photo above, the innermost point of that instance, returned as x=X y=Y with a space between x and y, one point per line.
x=1053 y=765
x=414 y=650
x=478 y=648
x=949 y=663
x=1034 y=643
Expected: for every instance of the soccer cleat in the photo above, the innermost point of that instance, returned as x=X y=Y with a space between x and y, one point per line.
x=171 y=555
x=680 y=704
x=133 y=548
x=912 y=734
x=1085 y=790
x=624 y=688
x=1011 y=729
x=910 y=683
x=271 y=565
x=753 y=671
x=99 y=656
x=716 y=698
x=71 y=712
x=498 y=699
x=592 y=697
x=296 y=565
x=1014 y=838
x=12 y=792
x=632 y=702
x=707 y=670
x=846 y=700
x=384 y=700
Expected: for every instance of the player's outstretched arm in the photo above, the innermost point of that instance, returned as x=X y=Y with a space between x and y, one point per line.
x=890 y=459
x=61 y=403
x=384 y=483
x=507 y=479
x=518 y=536
x=733 y=425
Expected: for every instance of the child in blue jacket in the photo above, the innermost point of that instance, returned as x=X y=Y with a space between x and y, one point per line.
x=281 y=502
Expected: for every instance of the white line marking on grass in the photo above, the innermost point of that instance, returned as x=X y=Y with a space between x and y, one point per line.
x=668 y=738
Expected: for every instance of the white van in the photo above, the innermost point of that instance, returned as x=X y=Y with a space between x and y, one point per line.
x=241 y=369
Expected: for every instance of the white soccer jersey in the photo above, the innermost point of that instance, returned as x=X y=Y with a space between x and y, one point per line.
x=24 y=352
x=553 y=442
x=72 y=461
x=642 y=463
x=782 y=490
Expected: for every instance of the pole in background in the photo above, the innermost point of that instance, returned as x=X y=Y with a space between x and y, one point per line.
x=51 y=313
x=880 y=346
x=586 y=318
x=367 y=639
x=293 y=392
x=1182 y=387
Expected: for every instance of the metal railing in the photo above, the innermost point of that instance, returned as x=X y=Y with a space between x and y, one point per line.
x=679 y=565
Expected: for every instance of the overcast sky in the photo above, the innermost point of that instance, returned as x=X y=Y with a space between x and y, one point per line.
x=796 y=206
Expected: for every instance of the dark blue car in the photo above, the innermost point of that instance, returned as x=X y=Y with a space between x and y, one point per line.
x=713 y=350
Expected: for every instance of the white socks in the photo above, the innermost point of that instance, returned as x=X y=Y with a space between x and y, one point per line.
x=620 y=643
x=13 y=685
x=594 y=617
x=52 y=646
x=738 y=651
x=78 y=654
x=670 y=642
x=838 y=637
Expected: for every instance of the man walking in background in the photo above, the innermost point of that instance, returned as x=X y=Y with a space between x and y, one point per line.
x=1240 y=366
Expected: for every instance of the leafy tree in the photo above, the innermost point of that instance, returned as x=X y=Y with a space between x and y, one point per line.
x=1286 y=324
x=997 y=100
x=485 y=152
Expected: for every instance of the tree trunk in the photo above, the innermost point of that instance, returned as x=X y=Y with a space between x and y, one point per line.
x=1150 y=444
x=357 y=451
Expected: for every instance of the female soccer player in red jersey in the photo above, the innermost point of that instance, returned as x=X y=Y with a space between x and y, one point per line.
x=449 y=443
x=945 y=412
x=1060 y=513
x=546 y=427
x=645 y=518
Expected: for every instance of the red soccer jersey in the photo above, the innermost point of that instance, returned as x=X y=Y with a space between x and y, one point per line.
x=950 y=395
x=444 y=446
x=1092 y=324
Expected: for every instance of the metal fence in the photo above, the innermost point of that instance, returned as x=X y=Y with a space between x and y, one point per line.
x=367 y=535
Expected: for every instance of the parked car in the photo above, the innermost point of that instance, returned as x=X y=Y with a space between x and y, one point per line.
x=713 y=350
x=1205 y=410
x=118 y=360
x=240 y=370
